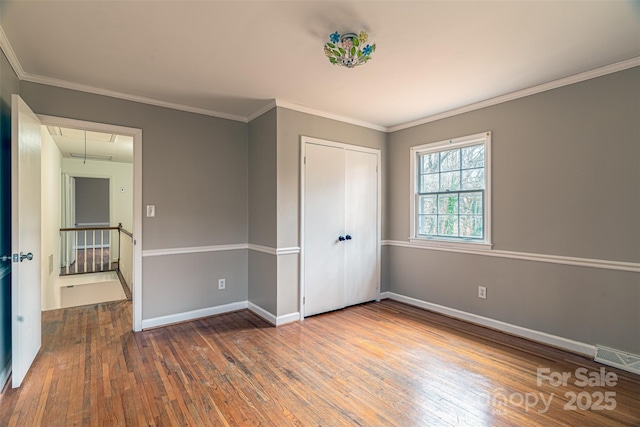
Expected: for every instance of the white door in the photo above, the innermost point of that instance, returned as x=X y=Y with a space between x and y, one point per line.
x=341 y=227
x=361 y=225
x=25 y=238
x=324 y=225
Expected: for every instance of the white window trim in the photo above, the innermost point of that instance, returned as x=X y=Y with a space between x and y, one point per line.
x=439 y=146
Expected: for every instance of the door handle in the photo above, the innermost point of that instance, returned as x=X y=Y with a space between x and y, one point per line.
x=341 y=238
x=28 y=256
x=5 y=258
x=348 y=237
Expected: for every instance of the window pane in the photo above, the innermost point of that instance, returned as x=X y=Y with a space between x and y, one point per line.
x=473 y=157
x=427 y=224
x=450 y=181
x=448 y=225
x=428 y=204
x=472 y=179
x=452 y=190
x=471 y=226
x=449 y=160
x=448 y=204
x=471 y=203
x=429 y=162
x=429 y=183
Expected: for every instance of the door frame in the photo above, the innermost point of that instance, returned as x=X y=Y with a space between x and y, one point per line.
x=136 y=133
x=304 y=140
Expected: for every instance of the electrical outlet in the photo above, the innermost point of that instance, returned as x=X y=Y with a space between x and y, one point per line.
x=482 y=292
x=222 y=284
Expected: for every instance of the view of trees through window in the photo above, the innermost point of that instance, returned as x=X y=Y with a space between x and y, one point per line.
x=451 y=193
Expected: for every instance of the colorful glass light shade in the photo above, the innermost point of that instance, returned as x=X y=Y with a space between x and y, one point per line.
x=349 y=49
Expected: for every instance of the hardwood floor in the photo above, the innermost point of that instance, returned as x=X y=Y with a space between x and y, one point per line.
x=374 y=364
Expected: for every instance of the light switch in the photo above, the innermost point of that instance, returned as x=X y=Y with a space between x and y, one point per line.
x=151 y=210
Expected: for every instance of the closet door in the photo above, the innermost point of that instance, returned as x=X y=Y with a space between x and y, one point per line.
x=324 y=212
x=361 y=227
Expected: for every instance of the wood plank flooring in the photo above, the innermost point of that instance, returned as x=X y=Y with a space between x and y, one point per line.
x=375 y=364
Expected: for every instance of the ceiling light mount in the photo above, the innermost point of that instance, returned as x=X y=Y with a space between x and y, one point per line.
x=349 y=49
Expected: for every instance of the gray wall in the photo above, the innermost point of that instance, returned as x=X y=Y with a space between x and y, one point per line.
x=262 y=180
x=262 y=210
x=190 y=282
x=9 y=84
x=274 y=190
x=291 y=126
x=263 y=279
x=92 y=200
x=566 y=181
x=194 y=169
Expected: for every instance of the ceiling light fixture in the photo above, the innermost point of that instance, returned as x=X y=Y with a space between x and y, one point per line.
x=349 y=49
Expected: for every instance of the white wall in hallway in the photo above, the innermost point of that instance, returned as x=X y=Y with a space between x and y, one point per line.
x=121 y=175
x=51 y=198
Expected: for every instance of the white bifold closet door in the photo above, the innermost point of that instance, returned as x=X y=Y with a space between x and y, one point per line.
x=340 y=228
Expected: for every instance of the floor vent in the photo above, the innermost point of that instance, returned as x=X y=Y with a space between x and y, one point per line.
x=618 y=359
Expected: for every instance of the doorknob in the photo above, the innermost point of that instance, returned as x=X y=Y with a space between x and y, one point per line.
x=5 y=258
x=28 y=256
x=341 y=238
x=348 y=237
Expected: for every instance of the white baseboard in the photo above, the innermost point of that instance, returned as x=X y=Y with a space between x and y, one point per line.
x=5 y=374
x=261 y=312
x=542 y=337
x=192 y=315
x=287 y=318
x=269 y=317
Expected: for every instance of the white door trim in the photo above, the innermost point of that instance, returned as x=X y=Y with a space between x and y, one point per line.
x=311 y=140
x=137 y=197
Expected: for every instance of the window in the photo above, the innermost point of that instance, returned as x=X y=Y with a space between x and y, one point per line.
x=451 y=190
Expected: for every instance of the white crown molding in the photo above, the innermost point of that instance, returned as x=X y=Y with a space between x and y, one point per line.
x=192 y=315
x=302 y=109
x=576 y=78
x=270 y=106
x=10 y=54
x=50 y=81
x=542 y=337
x=552 y=259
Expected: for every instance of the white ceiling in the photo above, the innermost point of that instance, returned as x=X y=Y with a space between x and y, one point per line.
x=81 y=144
x=234 y=58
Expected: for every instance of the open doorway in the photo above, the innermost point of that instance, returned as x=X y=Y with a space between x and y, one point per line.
x=91 y=193
x=92 y=262
x=95 y=220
